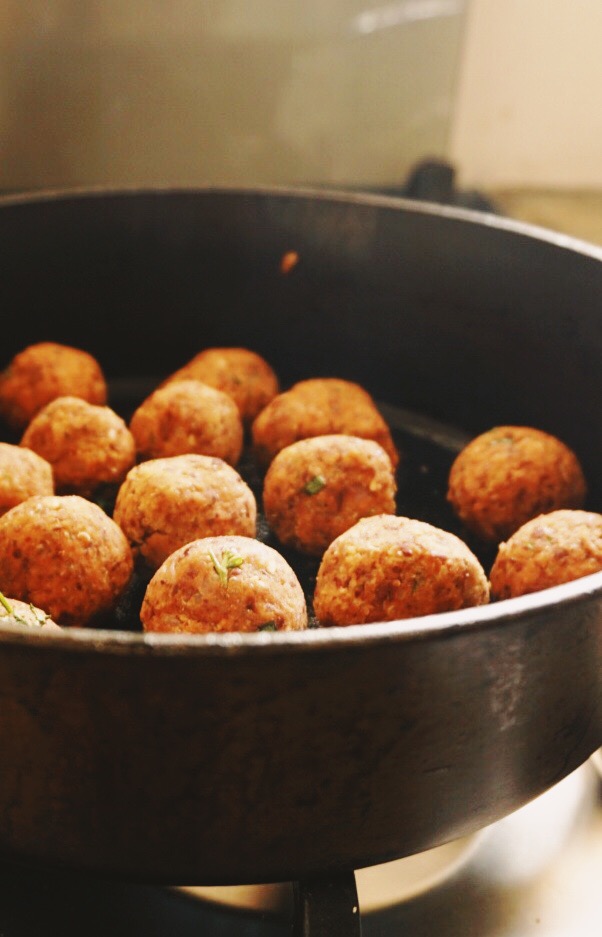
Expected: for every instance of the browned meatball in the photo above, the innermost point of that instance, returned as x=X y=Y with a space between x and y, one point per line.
x=42 y=372
x=86 y=445
x=319 y=407
x=23 y=474
x=13 y=612
x=242 y=374
x=165 y=503
x=64 y=555
x=510 y=474
x=316 y=488
x=224 y=584
x=188 y=416
x=386 y=567
x=546 y=551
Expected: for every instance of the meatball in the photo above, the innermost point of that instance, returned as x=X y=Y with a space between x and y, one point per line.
x=319 y=407
x=64 y=555
x=510 y=474
x=13 y=612
x=546 y=551
x=188 y=416
x=224 y=584
x=42 y=372
x=23 y=474
x=242 y=374
x=316 y=488
x=165 y=503
x=87 y=445
x=384 y=568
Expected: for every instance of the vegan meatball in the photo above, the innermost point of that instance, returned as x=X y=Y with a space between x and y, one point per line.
x=546 y=551
x=23 y=474
x=165 y=503
x=242 y=374
x=87 y=445
x=316 y=488
x=42 y=372
x=14 y=612
x=64 y=555
x=510 y=474
x=224 y=584
x=188 y=416
x=385 y=567
x=319 y=407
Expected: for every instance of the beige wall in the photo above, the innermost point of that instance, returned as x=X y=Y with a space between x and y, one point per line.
x=530 y=99
x=277 y=91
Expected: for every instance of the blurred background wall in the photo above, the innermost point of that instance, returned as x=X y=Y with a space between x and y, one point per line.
x=320 y=91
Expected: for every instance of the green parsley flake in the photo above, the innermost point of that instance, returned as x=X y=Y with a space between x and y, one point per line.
x=267 y=626
x=6 y=604
x=228 y=562
x=314 y=485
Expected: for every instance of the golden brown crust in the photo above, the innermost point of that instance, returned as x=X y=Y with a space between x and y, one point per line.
x=319 y=407
x=510 y=474
x=41 y=373
x=189 y=594
x=185 y=417
x=23 y=474
x=317 y=488
x=87 y=445
x=386 y=567
x=242 y=374
x=64 y=555
x=165 y=503
x=546 y=551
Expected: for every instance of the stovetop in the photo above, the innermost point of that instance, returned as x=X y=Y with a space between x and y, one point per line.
x=534 y=873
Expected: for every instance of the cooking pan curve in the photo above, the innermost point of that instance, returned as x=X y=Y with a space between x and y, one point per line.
x=243 y=758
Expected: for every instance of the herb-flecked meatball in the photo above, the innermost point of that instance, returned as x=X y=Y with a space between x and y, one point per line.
x=63 y=554
x=242 y=374
x=319 y=407
x=188 y=416
x=23 y=474
x=546 y=551
x=510 y=474
x=384 y=568
x=224 y=584
x=87 y=445
x=14 y=612
x=41 y=373
x=316 y=488
x=165 y=503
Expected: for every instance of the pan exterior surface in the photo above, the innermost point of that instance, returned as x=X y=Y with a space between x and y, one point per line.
x=229 y=759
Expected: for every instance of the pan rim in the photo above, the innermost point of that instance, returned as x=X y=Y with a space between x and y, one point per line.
x=342 y=196
x=439 y=626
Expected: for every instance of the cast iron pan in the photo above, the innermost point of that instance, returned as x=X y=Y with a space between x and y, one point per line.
x=249 y=758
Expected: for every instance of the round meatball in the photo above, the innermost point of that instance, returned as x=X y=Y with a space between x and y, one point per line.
x=224 y=584
x=165 y=503
x=242 y=374
x=42 y=372
x=87 y=445
x=384 y=568
x=64 y=555
x=13 y=612
x=317 y=488
x=546 y=551
x=510 y=474
x=23 y=474
x=319 y=407
x=188 y=416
